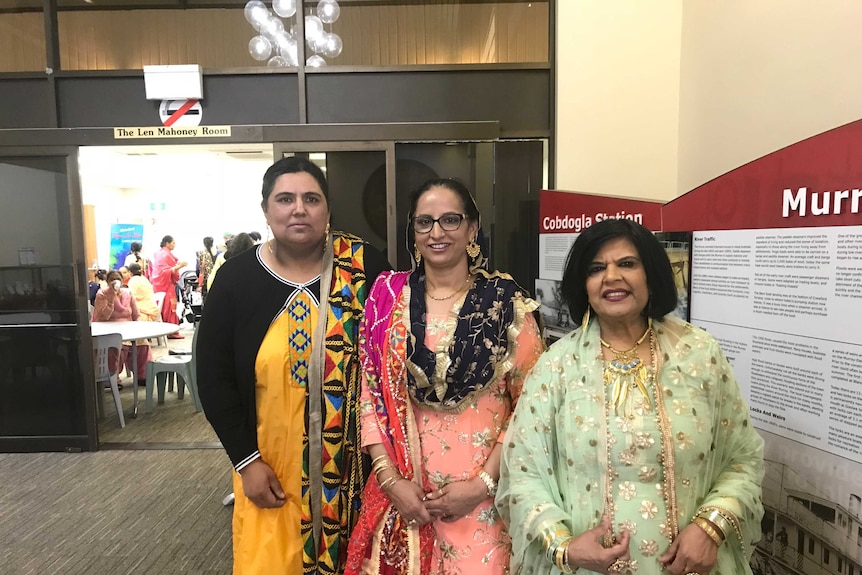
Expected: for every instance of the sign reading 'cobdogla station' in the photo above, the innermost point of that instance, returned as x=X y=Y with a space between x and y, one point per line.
x=172 y=132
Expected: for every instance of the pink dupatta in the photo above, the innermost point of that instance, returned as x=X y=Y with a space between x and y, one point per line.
x=382 y=541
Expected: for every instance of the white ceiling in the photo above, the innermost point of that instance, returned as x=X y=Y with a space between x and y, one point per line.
x=146 y=166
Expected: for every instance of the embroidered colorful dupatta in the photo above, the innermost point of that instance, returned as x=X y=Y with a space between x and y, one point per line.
x=400 y=549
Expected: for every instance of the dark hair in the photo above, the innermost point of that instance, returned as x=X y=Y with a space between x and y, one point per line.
x=113 y=273
x=659 y=275
x=135 y=247
x=292 y=165
x=135 y=269
x=166 y=240
x=255 y=236
x=238 y=244
x=101 y=274
x=208 y=242
x=467 y=202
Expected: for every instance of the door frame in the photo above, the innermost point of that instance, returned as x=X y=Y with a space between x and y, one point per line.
x=279 y=149
x=88 y=442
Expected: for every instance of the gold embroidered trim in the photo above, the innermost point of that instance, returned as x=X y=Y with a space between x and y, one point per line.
x=522 y=306
x=668 y=455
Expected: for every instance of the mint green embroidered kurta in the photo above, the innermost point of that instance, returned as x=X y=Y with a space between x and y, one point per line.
x=566 y=452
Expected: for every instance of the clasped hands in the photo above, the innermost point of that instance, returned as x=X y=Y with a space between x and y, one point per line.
x=449 y=503
x=691 y=552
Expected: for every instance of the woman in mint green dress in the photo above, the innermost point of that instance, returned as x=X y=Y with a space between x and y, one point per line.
x=631 y=450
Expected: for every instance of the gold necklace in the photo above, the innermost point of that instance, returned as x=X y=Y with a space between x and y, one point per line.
x=626 y=370
x=451 y=295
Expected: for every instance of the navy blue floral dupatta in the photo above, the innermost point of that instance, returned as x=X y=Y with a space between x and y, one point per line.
x=480 y=347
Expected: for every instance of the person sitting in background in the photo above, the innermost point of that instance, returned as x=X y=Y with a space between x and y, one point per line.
x=124 y=271
x=113 y=303
x=96 y=284
x=145 y=298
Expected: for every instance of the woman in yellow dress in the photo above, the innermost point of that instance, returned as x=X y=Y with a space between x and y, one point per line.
x=279 y=379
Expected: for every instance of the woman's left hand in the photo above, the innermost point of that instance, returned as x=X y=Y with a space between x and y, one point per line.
x=693 y=551
x=457 y=499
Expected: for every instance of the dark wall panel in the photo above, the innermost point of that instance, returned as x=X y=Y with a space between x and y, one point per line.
x=251 y=99
x=518 y=99
x=91 y=102
x=25 y=103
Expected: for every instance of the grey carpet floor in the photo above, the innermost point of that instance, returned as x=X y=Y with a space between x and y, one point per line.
x=149 y=502
x=115 y=512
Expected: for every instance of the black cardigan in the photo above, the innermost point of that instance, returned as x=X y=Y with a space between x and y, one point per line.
x=239 y=309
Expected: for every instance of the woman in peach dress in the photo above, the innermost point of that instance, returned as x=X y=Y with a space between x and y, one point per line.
x=445 y=349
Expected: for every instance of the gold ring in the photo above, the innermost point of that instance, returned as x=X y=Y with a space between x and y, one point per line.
x=619 y=565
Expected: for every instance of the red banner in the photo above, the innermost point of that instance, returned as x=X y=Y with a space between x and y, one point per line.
x=814 y=183
x=571 y=213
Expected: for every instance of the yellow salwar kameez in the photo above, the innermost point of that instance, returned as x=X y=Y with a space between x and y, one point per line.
x=268 y=541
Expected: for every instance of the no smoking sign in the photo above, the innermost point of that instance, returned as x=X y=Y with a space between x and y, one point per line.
x=180 y=112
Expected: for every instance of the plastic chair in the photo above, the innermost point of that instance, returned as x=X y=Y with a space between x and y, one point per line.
x=101 y=345
x=167 y=366
x=160 y=298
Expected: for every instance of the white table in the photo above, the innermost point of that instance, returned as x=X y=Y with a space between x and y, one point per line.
x=132 y=331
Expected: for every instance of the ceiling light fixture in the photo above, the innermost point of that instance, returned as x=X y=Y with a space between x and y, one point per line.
x=276 y=44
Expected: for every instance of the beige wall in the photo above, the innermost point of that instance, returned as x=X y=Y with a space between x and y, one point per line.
x=656 y=98
x=22 y=42
x=618 y=96
x=759 y=76
x=373 y=36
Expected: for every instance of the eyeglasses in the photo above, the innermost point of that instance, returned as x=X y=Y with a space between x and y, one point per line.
x=448 y=223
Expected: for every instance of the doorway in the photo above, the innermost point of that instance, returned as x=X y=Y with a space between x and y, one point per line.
x=194 y=191
x=44 y=336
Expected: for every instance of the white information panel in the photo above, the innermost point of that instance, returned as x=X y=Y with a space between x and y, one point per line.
x=786 y=306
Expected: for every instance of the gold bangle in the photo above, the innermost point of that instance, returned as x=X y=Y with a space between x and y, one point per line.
x=708 y=528
x=390 y=482
x=385 y=464
x=489 y=482
x=562 y=556
x=552 y=537
x=378 y=458
x=719 y=519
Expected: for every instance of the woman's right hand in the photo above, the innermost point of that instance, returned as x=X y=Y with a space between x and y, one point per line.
x=406 y=496
x=587 y=552
x=261 y=485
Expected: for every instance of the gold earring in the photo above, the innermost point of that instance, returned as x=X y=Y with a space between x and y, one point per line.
x=586 y=321
x=416 y=254
x=473 y=249
x=326 y=238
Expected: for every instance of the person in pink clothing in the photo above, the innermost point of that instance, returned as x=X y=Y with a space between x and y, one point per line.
x=116 y=303
x=445 y=350
x=166 y=274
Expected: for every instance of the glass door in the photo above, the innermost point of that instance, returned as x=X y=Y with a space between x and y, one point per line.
x=45 y=351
